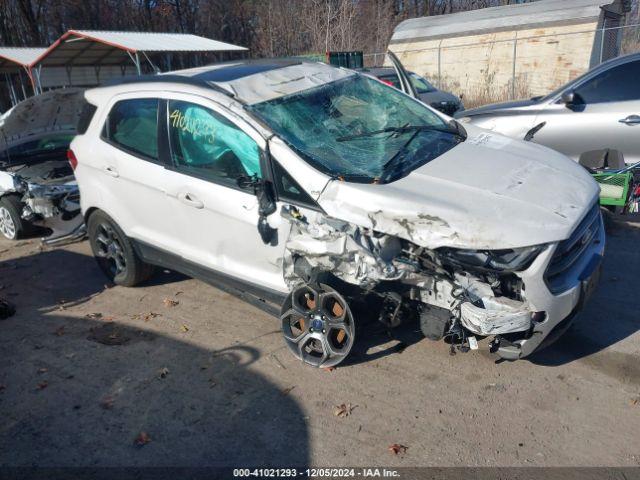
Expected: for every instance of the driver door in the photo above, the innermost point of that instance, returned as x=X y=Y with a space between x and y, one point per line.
x=216 y=219
x=601 y=115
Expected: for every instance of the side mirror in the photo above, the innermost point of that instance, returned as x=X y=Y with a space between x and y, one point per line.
x=568 y=97
x=266 y=204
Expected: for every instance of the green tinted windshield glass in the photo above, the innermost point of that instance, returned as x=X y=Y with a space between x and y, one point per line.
x=356 y=126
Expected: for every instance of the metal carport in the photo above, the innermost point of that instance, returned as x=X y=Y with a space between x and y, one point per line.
x=98 y=49
x=15 y=63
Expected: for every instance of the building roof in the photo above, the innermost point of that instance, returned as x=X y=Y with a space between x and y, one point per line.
x=89 y=47
x=504 y=18
x=12 y=59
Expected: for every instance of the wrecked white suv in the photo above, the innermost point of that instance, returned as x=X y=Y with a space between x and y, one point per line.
x=305 y=188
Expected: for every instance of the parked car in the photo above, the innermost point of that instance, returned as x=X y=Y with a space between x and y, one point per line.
x=443 y=101
x=309 y=190
x=37 y=186
x=597 y=111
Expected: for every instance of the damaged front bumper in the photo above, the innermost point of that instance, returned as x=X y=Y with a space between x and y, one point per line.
x=55 y=207
x=522 y=310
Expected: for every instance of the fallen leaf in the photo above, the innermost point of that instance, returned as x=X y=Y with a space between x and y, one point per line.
x=287 y=390
x=635 y=401
x=107 y=402
x=328 y=369
x=169 y=302
x=43 y=370
x=184 y=328
x=343 y=410
x=59 y=332
x=396 y=448
x=94 y=315
x=142 y=439
x=163 y=372
x=42 y=385
x=145 y=316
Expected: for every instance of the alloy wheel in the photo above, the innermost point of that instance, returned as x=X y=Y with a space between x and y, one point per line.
x=109 y=250
x=7 y=227
x=318 y=326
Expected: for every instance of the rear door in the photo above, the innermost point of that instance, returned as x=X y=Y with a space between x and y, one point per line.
x=211 y=149
x=605 y=114
x=131 y=164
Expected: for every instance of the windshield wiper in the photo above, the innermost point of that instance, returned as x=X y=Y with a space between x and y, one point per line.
x=403 y=129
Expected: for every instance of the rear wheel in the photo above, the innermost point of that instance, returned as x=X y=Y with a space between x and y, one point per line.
x=12 y=226
x=318 y=325
x=114 y=252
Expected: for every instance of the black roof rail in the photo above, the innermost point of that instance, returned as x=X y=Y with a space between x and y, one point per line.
x=168 y=78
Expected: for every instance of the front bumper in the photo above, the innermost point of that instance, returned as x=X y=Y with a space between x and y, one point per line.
x=560 y=309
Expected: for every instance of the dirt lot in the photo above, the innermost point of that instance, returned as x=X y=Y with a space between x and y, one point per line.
x=86 y=368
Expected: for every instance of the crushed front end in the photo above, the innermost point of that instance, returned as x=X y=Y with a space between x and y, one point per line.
x=519 y=299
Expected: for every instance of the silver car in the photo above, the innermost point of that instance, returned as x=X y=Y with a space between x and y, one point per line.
x=599 y=110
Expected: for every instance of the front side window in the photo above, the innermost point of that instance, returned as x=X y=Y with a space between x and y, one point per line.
x=132 y=125
x=359 y=129
x=206 y=144
x=618 y=84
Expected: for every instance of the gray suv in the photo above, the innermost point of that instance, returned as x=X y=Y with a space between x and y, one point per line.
x=599 y=110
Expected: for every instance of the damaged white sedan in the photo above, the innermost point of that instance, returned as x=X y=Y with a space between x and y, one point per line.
x=305 y=188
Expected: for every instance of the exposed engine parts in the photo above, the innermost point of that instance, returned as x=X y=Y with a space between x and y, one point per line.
x=411 y=281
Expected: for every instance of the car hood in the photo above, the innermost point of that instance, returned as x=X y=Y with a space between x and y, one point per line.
x=496 y=108
x=490 y=192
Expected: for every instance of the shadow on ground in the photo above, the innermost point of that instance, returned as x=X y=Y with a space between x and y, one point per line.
x=80 y=391
x=611 y=315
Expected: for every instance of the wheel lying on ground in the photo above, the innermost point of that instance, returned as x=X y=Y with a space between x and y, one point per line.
x=114 y=252
x=318 y=325
x=12 y=226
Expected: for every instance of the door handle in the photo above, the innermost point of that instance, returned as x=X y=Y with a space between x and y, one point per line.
x=631 y=120
x=191 y=200
x=111 y=171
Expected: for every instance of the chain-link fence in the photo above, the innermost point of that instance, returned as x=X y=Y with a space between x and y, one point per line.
x=510 y=66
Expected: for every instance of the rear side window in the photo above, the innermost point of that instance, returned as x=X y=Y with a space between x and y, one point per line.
x=618 y=84
x=86 y=114
x=132 y=126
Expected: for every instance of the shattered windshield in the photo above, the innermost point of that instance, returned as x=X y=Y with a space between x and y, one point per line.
x=359 y=129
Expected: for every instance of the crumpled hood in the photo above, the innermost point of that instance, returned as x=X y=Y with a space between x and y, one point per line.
x=490 y=192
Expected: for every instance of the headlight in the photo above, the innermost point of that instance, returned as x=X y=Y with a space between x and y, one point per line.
x=510 y=260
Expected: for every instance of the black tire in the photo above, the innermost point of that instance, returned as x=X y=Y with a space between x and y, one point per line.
x=11 y=208
x=114 y=252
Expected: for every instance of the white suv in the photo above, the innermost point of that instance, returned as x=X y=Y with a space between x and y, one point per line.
x=304 y=188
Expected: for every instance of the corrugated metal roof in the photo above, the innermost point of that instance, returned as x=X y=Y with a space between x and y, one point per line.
x=159 y=42
x=13 y=58
x=508 y=17
x=90 y=47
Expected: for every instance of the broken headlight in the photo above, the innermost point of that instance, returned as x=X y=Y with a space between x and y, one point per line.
x=508 y=260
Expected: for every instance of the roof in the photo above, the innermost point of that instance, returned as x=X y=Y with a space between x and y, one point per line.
x=14 y=58
x=503 y=18
x=249 y=81
x=90 y=47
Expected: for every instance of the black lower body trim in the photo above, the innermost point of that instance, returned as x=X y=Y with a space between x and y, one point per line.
x=265 y=299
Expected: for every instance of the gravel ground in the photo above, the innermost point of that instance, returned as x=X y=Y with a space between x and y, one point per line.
x=177 y=373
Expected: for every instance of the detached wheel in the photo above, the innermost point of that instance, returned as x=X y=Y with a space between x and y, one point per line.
x=318 y=325
x=114 y=252
x=12 y=226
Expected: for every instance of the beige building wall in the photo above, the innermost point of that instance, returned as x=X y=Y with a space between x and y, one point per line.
x=482 y=65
